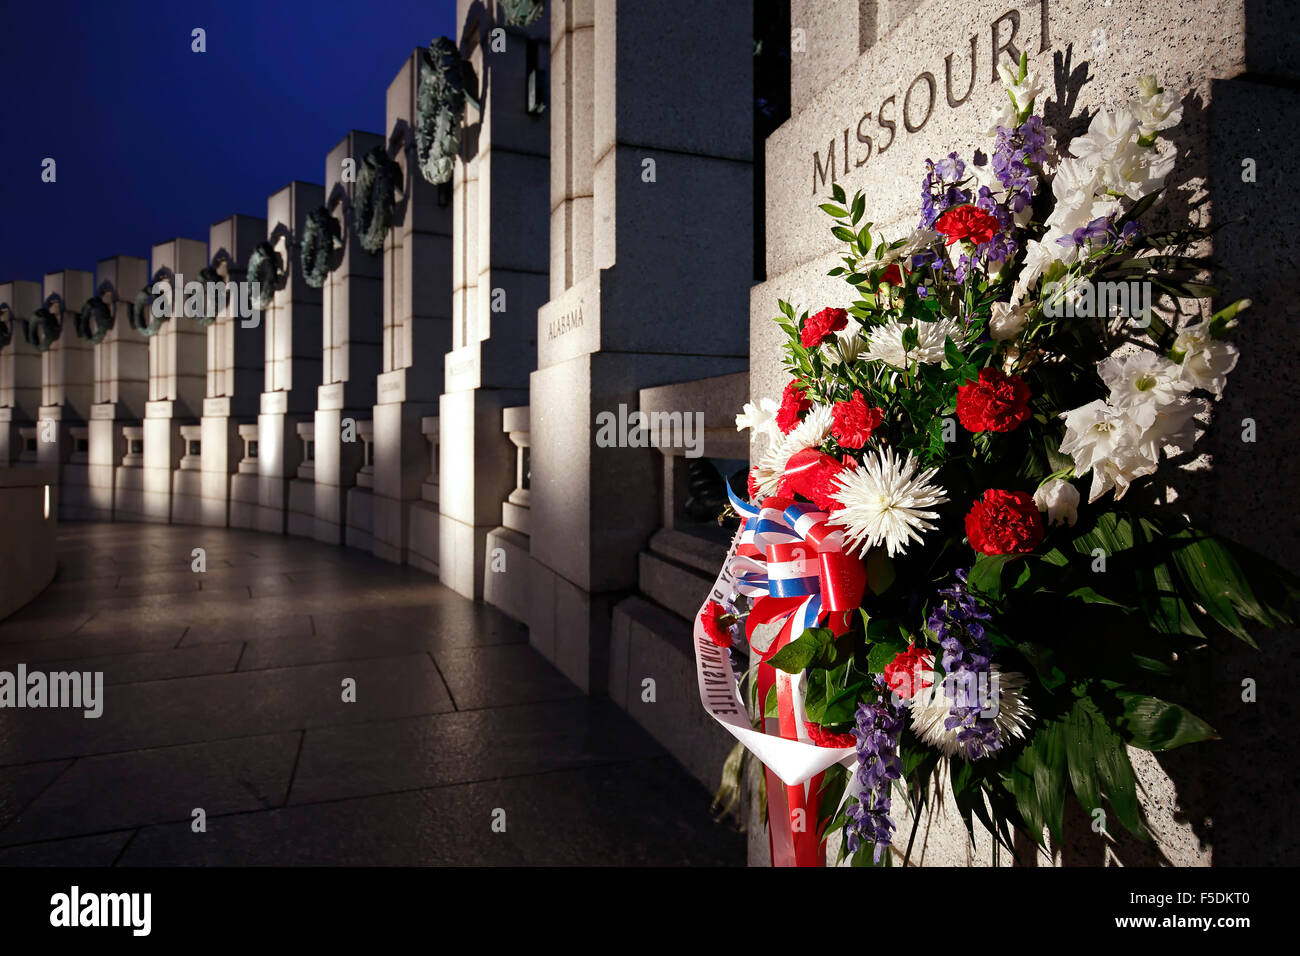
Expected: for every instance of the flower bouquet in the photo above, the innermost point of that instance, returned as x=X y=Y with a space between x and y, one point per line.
x=955 y=554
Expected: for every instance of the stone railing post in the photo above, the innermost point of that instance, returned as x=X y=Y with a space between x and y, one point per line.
x=507 y=564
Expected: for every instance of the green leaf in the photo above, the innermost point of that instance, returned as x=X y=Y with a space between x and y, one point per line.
x=815 y=647
x=837 y=193
x=1043 y=660
x=844 y=234
x=1049 y=775
x=859 y=207
x=841 y=706
x=986 y=574
x=1155 y=724
x=881 y=656
x=1090 y=596
x=1116 y=775
x=1078 y=754
x=831 y=209
x=880 y=571
x=769 y=706
x=834 y=782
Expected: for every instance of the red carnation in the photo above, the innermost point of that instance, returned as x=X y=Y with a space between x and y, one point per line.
x=811 y=473
x=828 y=738
x=793 y=405
x=893 y=275
x=717 y=623
x=854 y=421
x=1004 y=522
x=967 y=222
x=817 y=327
x=904 y=674
x=752 y=483
x=996 y=403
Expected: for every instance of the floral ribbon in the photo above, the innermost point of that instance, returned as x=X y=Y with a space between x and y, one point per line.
x=793 y=566
x=788 y=590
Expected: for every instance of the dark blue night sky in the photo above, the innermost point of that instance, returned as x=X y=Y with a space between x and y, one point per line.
x=153 y=141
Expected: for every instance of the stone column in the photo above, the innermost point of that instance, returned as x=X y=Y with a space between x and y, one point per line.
x=236 y=358
x=67 y=388
x=177 y=374
x=869 y=123
x=417 y=333
x=352 y=328
x=651 y=263
x=20 y=368
x=500 y=262
x=121 y=378
x=293 y=357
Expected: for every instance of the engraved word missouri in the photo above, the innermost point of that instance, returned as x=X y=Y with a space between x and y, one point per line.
x=919 y=100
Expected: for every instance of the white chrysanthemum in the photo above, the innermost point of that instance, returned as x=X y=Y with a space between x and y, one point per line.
x=761 y=418
x=1102 y=438
x=809 y=433
x=1141 y=383
x=1003 y=699
x=886 y=342
x=845 y=345
x=1206 y=361
x=1156 y=109
x=885 y=502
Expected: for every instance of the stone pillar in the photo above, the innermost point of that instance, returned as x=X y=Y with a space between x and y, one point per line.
x=651 y=263
x=121 y=363
x=236 y=358
x=292 y=359
x=20 y=368
x=67 y=388
x=1239 y=104
x=417 y=332
x=500 y=261
x=352 y=328
x=177 y=373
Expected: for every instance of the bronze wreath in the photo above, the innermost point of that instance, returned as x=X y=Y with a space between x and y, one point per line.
x=266 y=268
x=94 y=321
x=320 y=237
x=375 y=198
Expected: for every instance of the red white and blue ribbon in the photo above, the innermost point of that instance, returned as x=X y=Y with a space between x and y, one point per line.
x=791 y=566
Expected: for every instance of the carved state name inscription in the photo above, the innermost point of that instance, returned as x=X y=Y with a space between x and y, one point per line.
x=918 y=100
x=567 y=322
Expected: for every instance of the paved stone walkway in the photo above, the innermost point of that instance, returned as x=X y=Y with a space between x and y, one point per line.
x=223 y=691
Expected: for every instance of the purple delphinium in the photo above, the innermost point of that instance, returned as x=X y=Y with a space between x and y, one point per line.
x=1003 y=245
x=1099 y=228
x=967 y=660
x=1125 y=235
x=878 y=728
x=1013 y=151
x=941 y=188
